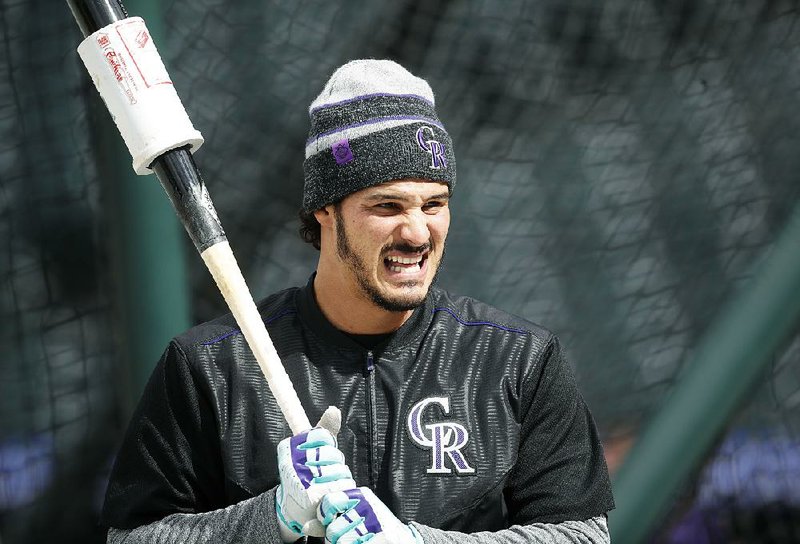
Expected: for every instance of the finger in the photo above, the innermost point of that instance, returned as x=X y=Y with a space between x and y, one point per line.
x=331 y=420
x=334 y=504
x=324 y=455
x=315 y=438
x=314 y=528
x=334 y=473
x=346 y=527
x=326 y=464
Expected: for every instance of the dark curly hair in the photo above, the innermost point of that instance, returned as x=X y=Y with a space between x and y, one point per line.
x=309 y=228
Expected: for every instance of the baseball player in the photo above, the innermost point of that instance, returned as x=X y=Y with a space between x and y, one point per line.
x=459 y=422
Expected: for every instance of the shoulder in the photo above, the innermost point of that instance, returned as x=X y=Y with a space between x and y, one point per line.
x=464 y=311
x=493 y=335
x=217 y=330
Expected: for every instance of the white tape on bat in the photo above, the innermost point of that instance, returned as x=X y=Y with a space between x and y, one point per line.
x=127 y=70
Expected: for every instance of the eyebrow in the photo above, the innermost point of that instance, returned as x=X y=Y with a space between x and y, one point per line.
x=404 y=198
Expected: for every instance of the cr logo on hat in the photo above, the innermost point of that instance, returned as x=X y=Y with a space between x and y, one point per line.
x=431 y=146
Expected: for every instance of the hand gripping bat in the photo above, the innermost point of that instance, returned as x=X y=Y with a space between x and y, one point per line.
x=122 y=60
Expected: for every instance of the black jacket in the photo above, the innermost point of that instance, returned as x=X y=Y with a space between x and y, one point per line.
x=466 y=418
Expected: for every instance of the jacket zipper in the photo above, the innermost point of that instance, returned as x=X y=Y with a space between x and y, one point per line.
x=372 y=424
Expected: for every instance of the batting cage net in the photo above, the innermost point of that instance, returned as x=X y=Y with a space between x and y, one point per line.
x=623 y=168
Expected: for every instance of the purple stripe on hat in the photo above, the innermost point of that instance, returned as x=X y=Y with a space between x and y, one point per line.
x=373 y=121
x=364 y=510
x=367 y=96
x=299 y=458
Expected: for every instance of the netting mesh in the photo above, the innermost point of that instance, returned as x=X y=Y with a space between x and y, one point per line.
x=623 y=167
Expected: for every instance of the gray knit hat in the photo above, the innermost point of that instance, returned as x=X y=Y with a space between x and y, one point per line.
x=373 y=122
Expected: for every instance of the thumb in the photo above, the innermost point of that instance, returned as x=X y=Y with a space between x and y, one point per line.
x=331 y=420
x=314 y=528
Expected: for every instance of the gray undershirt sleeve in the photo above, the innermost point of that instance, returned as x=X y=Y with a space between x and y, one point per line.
x=254 y=521
x=250 y=521
x=592 y=531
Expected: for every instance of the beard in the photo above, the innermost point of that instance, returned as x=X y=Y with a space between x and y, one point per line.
x=399 y=303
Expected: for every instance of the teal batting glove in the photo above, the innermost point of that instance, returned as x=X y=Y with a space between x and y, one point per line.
x=357 y=515
x=310 y=466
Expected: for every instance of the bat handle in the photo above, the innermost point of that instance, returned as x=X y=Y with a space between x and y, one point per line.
x=180 y=177
x=181 y=180
x=223 y=267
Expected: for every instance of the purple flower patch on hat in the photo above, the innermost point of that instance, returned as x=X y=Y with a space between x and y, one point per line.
x=342 y=152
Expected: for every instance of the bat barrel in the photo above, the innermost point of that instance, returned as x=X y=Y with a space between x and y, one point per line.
x=176 y=169
x=92 y=15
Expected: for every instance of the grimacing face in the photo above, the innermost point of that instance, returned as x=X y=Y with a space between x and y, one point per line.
x=391 y=238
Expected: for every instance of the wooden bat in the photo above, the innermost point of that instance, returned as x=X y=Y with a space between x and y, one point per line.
x=127 y=71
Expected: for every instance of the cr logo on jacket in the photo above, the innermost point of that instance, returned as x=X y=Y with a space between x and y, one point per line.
x=445 y=438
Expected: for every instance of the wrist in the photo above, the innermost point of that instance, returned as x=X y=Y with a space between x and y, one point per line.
x=289 y=530
x=417 y=537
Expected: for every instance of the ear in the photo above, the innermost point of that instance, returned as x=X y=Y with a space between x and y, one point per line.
x=325 y=216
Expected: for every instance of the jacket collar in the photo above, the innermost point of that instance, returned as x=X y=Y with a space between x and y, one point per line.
x=314 y=319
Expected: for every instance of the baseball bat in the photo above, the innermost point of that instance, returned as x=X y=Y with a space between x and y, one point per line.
x=128 y=72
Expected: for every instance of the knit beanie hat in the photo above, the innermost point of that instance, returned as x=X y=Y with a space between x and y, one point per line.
x=373 y=122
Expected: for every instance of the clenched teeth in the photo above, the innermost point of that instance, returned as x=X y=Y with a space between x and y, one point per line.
x=404 y=260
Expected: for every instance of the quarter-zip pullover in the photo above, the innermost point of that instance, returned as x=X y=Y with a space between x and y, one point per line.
x=466 y=418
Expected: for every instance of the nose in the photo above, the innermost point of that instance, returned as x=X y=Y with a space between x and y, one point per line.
x=414 y=230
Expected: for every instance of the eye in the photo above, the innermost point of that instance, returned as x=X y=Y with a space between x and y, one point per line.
x=433 y=205
x=388 y=206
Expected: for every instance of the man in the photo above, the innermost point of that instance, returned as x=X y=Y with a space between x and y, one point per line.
x=456 y=417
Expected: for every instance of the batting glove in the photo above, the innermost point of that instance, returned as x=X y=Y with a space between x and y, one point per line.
x=310 y=465
x=355 y=516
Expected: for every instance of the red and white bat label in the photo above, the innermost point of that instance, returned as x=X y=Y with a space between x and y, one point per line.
x=127 y=70
x=119 y=67
x=141 y=49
